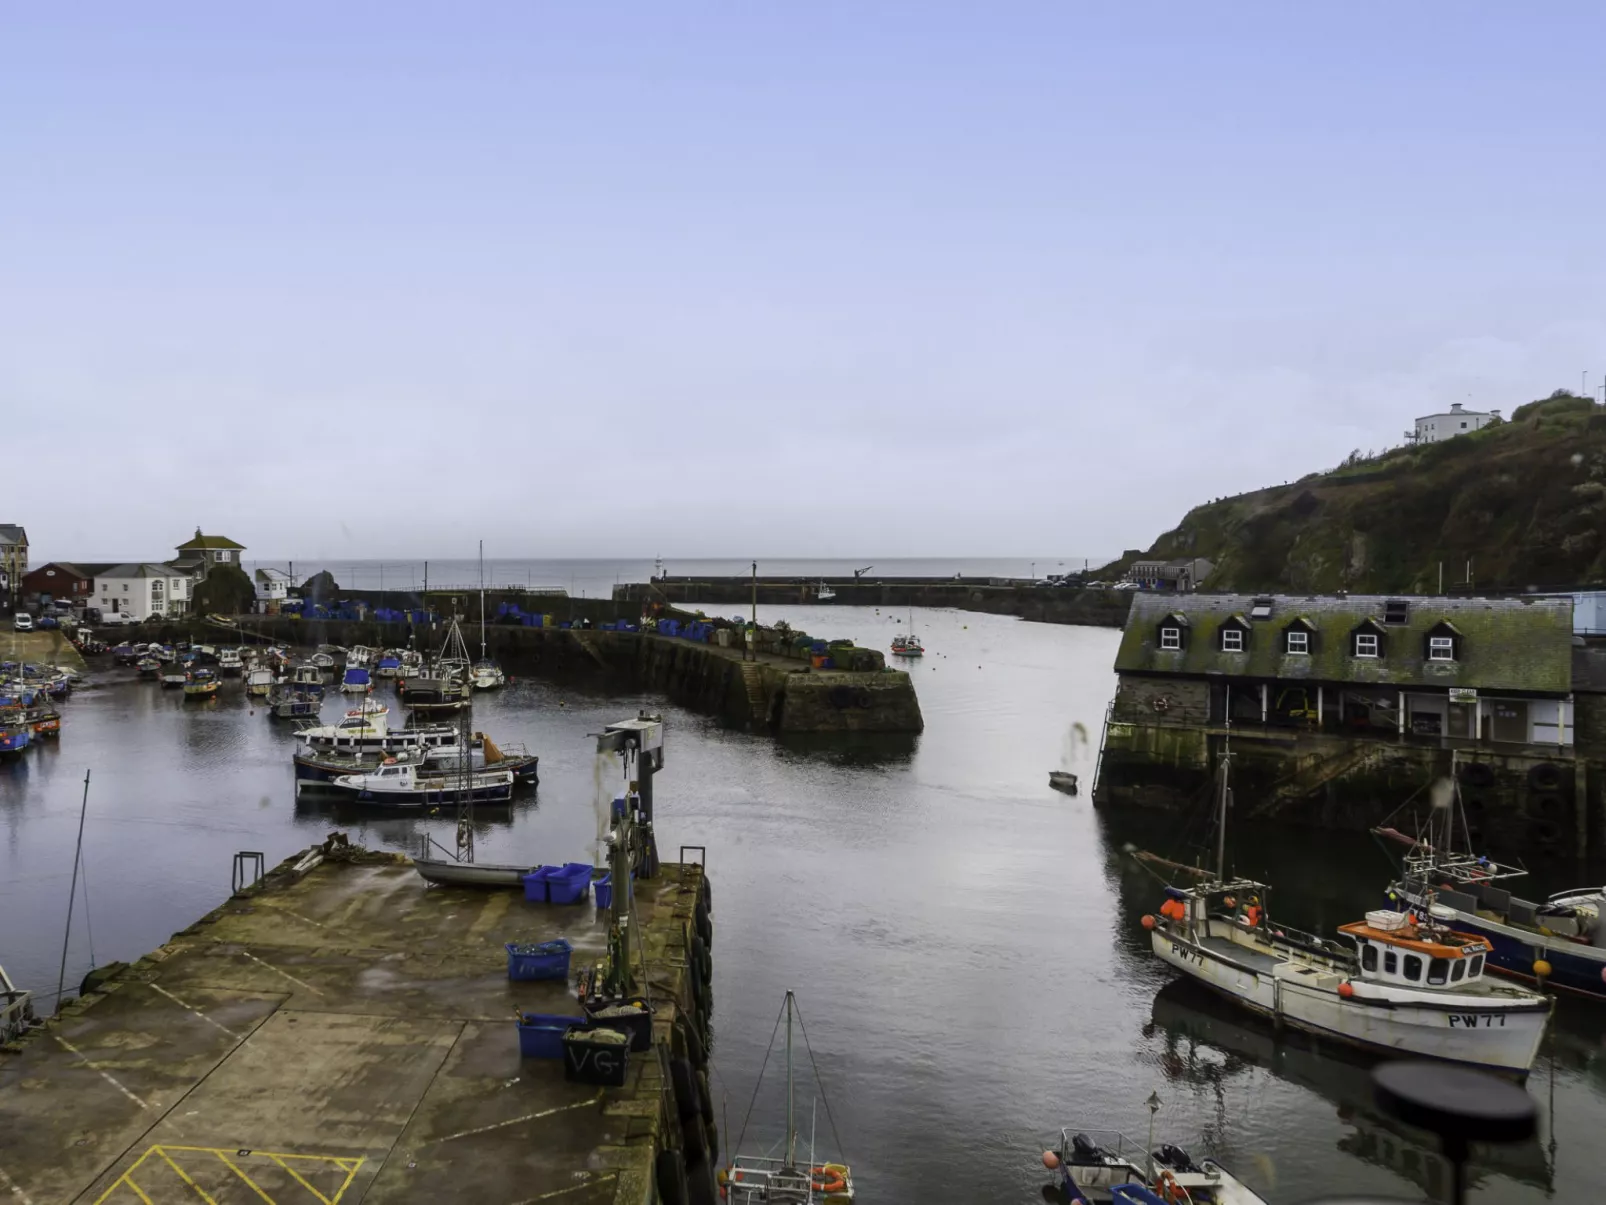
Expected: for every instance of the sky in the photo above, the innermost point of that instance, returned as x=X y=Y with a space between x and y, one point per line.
x=382 y=280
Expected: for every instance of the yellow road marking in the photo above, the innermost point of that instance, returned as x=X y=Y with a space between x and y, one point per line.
x=513 y=1121
x=104 y=1074
x=297 y=1178
x=184 y=1176
x=250 y=1183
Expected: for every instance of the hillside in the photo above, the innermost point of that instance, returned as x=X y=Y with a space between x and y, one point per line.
x=1524 y=499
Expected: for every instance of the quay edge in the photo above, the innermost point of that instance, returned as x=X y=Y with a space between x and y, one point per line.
x=343 y=1027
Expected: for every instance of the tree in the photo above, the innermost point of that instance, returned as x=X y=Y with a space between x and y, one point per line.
x=226 y=590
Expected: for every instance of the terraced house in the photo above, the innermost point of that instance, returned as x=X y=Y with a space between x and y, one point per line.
x=1338 y=708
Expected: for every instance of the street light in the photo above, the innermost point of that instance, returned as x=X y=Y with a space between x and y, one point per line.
x=1154 y=1107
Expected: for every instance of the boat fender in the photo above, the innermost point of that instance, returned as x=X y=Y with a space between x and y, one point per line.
x=705 y=929
x=704 y=963
x=705 y=1097
x=669 y=1171
x=684 y=1081
x=693 y=1139
x=1168 y=1188
x=1546 y=776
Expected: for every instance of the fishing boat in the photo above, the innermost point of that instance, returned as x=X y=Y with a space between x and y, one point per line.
x=200 y=684
x=359 y=655
x=307 y=677
x=43 y=720
x=1402 y=984
x=173 y=677
x=149 y=667
x=780 y=1176
x=229 y=662
x=325 y=659
x=16 y=1010
x=314 y=765
x=824 y=593
x=404 y=784
x=446 y=685
x=124 y=654
x=1063 y=780
x=364 y=731
x=388 y=665
x=1094 y=1165
x=907 y=646
x=488 y=675
x=1561 y=940
x=286 y=702
x=259 y=682
x=355 y=681
x=15 y=734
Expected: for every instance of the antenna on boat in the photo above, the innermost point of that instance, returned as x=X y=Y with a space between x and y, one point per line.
x=1226 y=795
x=791 y=1122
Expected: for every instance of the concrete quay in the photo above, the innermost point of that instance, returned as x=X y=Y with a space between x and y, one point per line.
x=346 y=1033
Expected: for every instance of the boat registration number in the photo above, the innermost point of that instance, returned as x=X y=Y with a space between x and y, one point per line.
x=1187 y=953
x=1477 y=1020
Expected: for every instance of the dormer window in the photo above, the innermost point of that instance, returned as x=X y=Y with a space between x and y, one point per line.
x=1298 y=642
x=1232 y=640
x=1366 y=644
x=1171 y=639
x=1441 y=648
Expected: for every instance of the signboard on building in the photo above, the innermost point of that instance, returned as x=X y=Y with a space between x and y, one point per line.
x=1463 y=694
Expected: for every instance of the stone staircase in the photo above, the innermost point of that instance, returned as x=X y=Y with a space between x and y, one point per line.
x=753 y=681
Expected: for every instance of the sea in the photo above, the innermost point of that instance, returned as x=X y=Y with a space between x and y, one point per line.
x=596 y=577
x=964 y=942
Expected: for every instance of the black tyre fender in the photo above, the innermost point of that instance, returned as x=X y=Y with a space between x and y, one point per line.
x=705 y=1097
x=684 y=1081
x=1477 y=774
x=701 y=962
x=694 y=1139
x=1544 y=832
x=1546 y=776
x=705 y=930
x=700 y=1183
x=696 y=1051
x=1547 y=806
x=669 y=1172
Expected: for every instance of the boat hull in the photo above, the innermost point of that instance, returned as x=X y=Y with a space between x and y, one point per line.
x=1478 y=1034
x=471 y=874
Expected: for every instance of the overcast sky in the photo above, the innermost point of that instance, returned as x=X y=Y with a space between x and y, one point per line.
x=805 y=279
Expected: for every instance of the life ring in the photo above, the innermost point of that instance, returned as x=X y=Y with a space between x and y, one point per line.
x=828 y=1180
x=1167 y=1187
x=1162 y=704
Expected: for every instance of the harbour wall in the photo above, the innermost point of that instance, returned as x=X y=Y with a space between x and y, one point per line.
x=1102 y=608
x=782 y=692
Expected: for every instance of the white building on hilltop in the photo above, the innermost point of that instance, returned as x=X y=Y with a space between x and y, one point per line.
x=142 y=590
x=1431 y=428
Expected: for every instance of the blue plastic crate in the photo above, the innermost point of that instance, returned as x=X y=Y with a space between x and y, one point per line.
x=541 y=1035
x=535 y=884
x=549 y=960
x=602 y=890
x=571 y=885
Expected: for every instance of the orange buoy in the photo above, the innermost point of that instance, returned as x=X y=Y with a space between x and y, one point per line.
x=1050 y=1160
x=1148 y=922
x=1542 y=969
x=1346 y=990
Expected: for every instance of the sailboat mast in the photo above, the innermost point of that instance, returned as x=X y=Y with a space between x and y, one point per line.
x=791 y=1121
x=482 y=600
x=1221 y=819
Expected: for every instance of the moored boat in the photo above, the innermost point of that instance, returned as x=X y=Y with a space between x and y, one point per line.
x=322 y=765
x=367 y=731
x=286 y=702
x=405 y=784
x=1094 y=1164
x=355 y=681
x=200 y=683
x=173 y=677
x=387 y=665
x=307 y=677
x=259 y=681
x=43 y=721
x=229 y=661
x=1063 y=780
x=15 y=735
x=149 y=667
x=488 y=675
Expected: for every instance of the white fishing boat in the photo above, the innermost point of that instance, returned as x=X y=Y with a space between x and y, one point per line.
x=366 y=730
x=325 y=659
x=173 y=677
x=307 y=677
x=229 y=662
x=824 y=593
x=488 y=675
x=447 y=684
x=908 y=644
x=406 y=784
x=1095 y=1165
x=16 y=1009
x=360 y=656
x=781 y=1177
x=286 y=702
x=259 y=682
x=1401 y=984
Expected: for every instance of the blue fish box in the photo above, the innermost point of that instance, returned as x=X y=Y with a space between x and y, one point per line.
x=602 y=891
x=541 y=1035
x=535 y=884
x=548 y=960
x=569 y=885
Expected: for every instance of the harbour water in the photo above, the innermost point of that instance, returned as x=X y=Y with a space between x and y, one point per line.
x=964 y=941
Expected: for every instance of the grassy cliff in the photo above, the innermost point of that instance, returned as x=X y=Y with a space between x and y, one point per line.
x=1525 y=500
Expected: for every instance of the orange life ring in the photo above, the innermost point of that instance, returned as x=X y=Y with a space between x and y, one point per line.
x=828 y=1180
x=1166 y=1186
x=390 y=761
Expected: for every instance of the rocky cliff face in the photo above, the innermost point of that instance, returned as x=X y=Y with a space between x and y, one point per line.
x=1523 y=501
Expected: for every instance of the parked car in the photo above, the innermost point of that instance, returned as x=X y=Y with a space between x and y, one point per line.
x=49 y=621
x=116 y=619
x=23 y=622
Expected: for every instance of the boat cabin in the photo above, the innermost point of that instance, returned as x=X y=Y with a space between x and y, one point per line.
x=1405 y=953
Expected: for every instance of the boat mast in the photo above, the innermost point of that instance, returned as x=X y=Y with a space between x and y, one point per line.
x=482 y=600
x=791 y=1122
x=1226 y=795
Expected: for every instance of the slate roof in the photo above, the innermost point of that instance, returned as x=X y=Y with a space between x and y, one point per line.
x=141 y=569
x=199 y=542
x=1512 y=644
x=12 y=533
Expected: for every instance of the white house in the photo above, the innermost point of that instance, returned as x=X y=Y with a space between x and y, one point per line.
x=142 y=590
x=1431 y=428
x=273 y=587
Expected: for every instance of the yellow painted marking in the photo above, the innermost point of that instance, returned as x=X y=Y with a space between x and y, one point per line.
x=348 y=1164
x=184 y=1176
x=102 y=1072
x=286 y=974
x=250 y=1183
x=191 y=1008
x=491 y=914
x=513 y=1121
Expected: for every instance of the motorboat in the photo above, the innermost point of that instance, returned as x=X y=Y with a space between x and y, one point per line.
x=229 y=661
x=488 y=674
x=307 y=677
x=355 y=681
x=325 y=659
x=907 y=646
x=387 y=665
x=200 y=684
x=1094 y=1165
x=286 y=702
x=360 y=656
x=15 y=734
x=148 y=667
x=315 y=765
x=259 y=681
x=366 y=731
x=406 y=784
x=824 y=593
x=43 y=720
x=1063 y=780
x=173 y=677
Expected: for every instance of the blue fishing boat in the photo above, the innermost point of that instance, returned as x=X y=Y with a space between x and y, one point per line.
x=15 y=736
x=388 y=666
x=355 y=681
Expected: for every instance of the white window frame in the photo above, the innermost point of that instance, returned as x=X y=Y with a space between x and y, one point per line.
x=1441 y=648
x=1232 y=640
x=1303 y=638
x=1171 y=639
x=1365 y=639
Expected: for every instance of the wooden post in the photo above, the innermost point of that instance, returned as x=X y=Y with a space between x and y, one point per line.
x=1264 y=694
x=1402 y=713
x=1320 y=691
